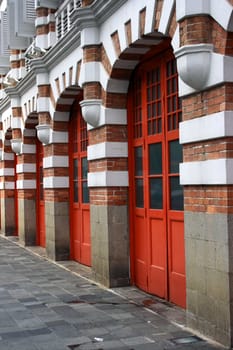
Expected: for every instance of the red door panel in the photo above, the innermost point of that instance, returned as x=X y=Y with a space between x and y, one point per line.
x=177 y=260
x=86 y=237
x=157 y=252
x=140 y=251
x=157 y=229
x=76 y=239
x=79 y=195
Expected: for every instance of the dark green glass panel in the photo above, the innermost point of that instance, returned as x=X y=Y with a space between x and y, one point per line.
x=175 y=156
x=158 y=108
x=149 y=111
x=138 y=161
x=139 y=193
x=158 y=91
x=174 y=84
x=169 y=87
x=75 y=179
x=148 y=94
x=155 y=158
x=75 y=169
x=75 y=190
x=84 y=168
x=176 y=194
x=85 y=192
x=156 y=193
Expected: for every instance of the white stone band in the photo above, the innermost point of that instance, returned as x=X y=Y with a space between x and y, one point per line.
x=107 y=149
x=208 y=172
x=209 y=127
x=108 y=179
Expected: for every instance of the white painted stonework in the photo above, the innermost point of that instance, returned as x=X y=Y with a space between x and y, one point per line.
x=55 y=162
x=108 y=179
x=208 y=172
x=56 y=182
x=30 y=149
x=7 y=172
x=7 y=185
x=25 y=168
x=25 y=184
x=107 y=149
x=208 y=127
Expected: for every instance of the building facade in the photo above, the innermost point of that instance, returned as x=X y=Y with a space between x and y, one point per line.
x=116 y=144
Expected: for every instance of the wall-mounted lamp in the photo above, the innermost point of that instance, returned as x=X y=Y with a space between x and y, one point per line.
x=91 y=111
x=16 y=145
x=43 y=133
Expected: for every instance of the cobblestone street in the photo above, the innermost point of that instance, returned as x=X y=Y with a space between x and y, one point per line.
x=45 y=306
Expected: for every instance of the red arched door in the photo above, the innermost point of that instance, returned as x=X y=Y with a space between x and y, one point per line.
x=79 y=194
x=158 y=261
x=40 y=196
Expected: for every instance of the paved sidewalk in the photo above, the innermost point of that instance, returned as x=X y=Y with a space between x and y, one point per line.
x=46 y=306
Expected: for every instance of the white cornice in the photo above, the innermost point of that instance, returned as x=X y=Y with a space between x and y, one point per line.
x=23 y=86
x=57 y=53
x=95 y=14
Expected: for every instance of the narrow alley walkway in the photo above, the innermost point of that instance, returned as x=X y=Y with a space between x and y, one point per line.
x=44 y=306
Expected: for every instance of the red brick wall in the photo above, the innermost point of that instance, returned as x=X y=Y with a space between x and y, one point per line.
x=206 y=198
x=109 y=196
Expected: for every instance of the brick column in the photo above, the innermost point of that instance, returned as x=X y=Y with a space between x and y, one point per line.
x=56 y=179
x=26 y=187
x=56 y=193
x=17 y=64
x=7 y=190
x=206 y=174
x=107 y=180
x=45 y=27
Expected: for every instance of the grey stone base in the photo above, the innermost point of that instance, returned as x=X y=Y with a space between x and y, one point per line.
x=110 y=245
x=8 y=224
x=209 y=267
x=27 y=222
x=57 y=230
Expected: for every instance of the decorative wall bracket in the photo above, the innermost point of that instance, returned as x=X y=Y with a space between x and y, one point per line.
x=43 y=133
x=193 y=64
x=16 y=145
x=91 y=111
x=1 y=154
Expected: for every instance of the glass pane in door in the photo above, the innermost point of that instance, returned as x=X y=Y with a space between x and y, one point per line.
x=175 y=156
x=85 y=191
x=176 y=194
x=138 y=168
x=156 y=193
x=75 y=180
x=155 y=159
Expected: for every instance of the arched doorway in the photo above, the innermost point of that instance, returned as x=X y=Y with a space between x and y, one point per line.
x=41 y=237
x=79 y=194
x=157 y=249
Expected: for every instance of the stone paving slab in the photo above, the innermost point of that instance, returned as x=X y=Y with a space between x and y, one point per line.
x=50 y=306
